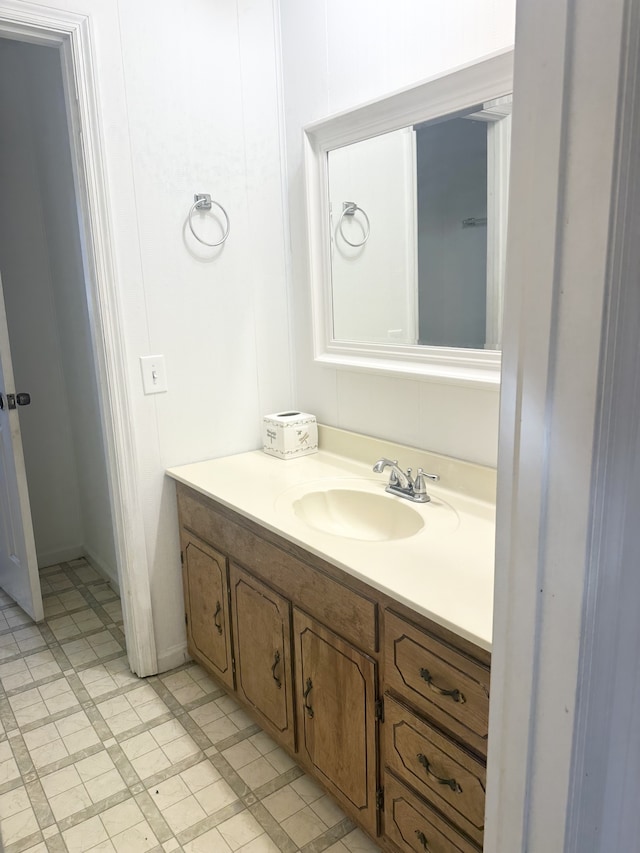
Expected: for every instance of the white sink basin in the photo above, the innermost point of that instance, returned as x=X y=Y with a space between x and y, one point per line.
x=357 y=514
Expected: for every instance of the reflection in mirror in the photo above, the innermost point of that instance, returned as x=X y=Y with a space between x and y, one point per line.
x=418 y=222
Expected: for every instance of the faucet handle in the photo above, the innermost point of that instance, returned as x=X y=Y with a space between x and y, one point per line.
x=419 y=485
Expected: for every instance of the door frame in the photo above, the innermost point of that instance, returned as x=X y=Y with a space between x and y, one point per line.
x=71 y=34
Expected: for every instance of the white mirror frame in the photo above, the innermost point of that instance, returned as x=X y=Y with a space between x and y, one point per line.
x=465 y=87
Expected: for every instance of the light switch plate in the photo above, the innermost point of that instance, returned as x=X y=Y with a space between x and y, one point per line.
x=154 y=376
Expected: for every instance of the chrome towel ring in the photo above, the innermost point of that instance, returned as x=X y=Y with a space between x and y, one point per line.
x=203 y=201
x=349 y=208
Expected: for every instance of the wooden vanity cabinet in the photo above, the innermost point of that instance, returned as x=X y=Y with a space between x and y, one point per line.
x=336 y=687
x=262 y=653
x=435 y=739
x=206 y=599
x=388 y=711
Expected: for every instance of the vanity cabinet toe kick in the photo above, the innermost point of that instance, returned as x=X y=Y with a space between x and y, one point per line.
x=386 y=709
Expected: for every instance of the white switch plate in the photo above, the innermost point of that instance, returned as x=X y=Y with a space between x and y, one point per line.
x=154 y=376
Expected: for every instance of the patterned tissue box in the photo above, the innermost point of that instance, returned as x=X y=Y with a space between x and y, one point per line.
x=288 y=435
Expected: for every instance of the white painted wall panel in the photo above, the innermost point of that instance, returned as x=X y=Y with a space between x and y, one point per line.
x=336 y=56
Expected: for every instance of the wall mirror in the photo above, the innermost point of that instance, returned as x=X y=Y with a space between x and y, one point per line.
x=407 y=212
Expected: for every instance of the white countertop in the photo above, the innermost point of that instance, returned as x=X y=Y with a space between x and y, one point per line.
x=444 y=571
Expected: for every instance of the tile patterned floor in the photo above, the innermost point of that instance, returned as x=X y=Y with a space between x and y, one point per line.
x=94 y=758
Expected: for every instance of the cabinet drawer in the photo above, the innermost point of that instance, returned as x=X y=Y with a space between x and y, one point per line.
x=448 y=686
x=412 y=825
x=350 y=614
x=436 y=767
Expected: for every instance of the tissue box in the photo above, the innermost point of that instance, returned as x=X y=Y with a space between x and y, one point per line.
x=288 y=435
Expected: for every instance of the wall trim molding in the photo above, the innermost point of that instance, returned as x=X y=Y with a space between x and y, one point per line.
x=72 y=34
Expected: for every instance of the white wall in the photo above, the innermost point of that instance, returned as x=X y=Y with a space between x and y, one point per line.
x=56 y=185
x=336 y=56
x=203 y=115
x=25 y=266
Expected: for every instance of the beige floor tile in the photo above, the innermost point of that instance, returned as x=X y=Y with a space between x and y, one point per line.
x=150 y=763
x=208 y=843
x=241 y=754
x=307 y=789
x=304 y=826
x=105 y=785
x=284 y=803
x=94 y=766
x=220 y=730
x=15 y=827
x=240 y=829
x=184 y=814
x=279 y=759
x=357 y=842
x=263 y=743
x=70 y=802
x=85 y=835
x=328 y=810
x=216 y=796
x=138 y=745
x=257 y=773
x=60 y=781
x=121 y=817
x=136 y=839
x=262 y=844
x=180 y=748
x=206 y=714
x=169 y=792
x=200 y=776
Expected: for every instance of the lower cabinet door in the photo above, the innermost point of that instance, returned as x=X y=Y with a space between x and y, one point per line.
x=204 y=573
x=335 y=702
x=262 y=643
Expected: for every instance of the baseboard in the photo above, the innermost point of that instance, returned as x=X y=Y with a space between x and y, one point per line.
x=59 y=555
x=107 y=572
x=173 y=657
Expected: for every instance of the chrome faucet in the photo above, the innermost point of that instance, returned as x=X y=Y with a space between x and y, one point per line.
x=403 y=484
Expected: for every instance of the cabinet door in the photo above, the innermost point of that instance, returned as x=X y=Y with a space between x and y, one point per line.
x=336 y=692
x=204 y=573
x=262 y=644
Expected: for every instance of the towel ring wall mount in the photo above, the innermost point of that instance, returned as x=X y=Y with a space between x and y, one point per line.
x=350 y=208
x=203 y=201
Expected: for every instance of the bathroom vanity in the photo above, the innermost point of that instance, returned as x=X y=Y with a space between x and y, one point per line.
x=366 y=658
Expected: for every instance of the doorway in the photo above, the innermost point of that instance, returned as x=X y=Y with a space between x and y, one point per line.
x=68 y=34
x=45 y=297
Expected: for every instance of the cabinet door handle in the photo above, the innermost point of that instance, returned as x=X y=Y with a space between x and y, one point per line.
x=451 y=783
x=422 y=838
x=308 y=689
x=455 y=694
x=276 y=661
x=215 y=617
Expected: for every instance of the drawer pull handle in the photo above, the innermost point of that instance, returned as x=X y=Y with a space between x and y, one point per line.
x=455 y=694
x=215 y=617
x=276 y=661
x=451 y=783
x=422 y=838
x=306 y=692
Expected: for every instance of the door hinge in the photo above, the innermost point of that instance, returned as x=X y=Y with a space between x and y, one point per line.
x=379 y=710
x=380 y=799
x=182 y=558
x=186 y=619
